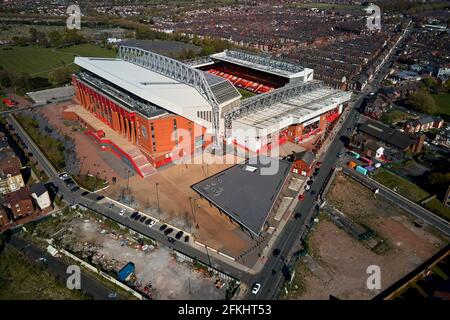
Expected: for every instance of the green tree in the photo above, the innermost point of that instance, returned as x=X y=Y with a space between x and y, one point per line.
x=55 y=38
x=422 y=101
x=60 y=75
x=5 y=80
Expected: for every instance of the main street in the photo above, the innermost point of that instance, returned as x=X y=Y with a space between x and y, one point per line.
x=289 y=241
x=271 y=277
x=75 y=198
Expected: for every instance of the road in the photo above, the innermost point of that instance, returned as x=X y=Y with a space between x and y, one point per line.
x=58 y=268
x=288 y=242
x=73 y=198
x=271 y=277
x=406 y=204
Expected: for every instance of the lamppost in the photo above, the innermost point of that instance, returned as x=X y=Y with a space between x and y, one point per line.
x=193 y=211
x=157 y=195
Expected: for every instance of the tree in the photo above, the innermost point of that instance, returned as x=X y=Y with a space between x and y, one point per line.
x=60 y=75
x=422 y=101
x=55 y=38
x=5 y=80
x=438 y=178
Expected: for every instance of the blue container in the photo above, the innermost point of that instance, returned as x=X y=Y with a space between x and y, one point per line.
x=361 y=170
x=126 y=272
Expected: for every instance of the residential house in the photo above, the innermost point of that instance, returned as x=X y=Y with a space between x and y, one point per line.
x=20 y=203
x=423 y=124
x=443 y=138
x=41 y=196
x=368 y=147
x=10 y=176
x=303 y=162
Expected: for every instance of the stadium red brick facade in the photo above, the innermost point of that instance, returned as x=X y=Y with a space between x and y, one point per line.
x=161 y=138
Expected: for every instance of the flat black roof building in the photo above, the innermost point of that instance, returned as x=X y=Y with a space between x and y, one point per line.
x=386 y=134
x=247 y=191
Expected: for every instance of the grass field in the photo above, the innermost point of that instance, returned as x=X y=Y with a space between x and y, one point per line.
x=91 y=183
x=245 y=94
x=39 y=61
x=442 y=101
x=411 y=191
x=23 y=280
x=393 y=116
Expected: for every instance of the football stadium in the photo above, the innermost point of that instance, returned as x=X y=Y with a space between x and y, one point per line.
x=149 y=109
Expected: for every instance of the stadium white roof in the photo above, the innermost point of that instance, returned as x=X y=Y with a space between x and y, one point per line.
x=298 y=109
x=170 y=94
x=262 y=63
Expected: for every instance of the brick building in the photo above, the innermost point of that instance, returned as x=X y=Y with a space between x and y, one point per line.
x=20 y=203
x=10 y=176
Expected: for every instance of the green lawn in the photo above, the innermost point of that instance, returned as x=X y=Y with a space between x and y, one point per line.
x=39 y=61
x=91 y=183
x=21 y=279
x=393 y=116
x=411 y=191
x=442 y=101
x=245 y=93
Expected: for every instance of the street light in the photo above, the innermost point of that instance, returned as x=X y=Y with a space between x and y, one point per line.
x=193 y=212
x=157 y=194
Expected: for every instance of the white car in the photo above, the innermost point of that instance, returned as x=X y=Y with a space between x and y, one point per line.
x=63 y=176
x=122 y=212
x=307 y=187
x=152 y=223
x=255 y=288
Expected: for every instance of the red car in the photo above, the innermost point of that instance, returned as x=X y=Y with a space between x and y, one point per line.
x=301 y=197
x=318 y=164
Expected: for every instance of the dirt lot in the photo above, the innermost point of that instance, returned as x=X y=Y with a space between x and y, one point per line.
x=110 y=248
x=339 y=262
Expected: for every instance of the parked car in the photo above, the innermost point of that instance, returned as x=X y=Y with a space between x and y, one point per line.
x=171 y=240
x=301 y=197
x=152 y=223
x=122 y=212
x=76 y=188
x=163 y=227
x=307 y=187
x=255 y=288
x=186 y=238
x=63 y=176
x=99 y=198
x=168 y=231
x=179 y=235
x=133 y=215
x=142 y=219
x=85 y=193
x=137 y=217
